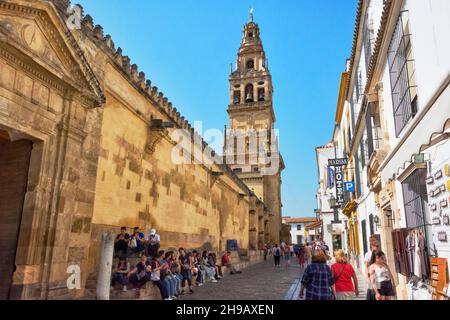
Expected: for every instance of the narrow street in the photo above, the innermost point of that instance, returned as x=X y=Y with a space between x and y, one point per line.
x=259 y=282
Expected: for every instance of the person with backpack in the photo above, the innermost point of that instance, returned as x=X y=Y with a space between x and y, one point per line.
x=318 y=279
x=345 y=278
x=276 y=255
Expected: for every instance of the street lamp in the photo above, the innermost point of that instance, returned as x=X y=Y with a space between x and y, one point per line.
x=335 y=207
x=389 y=216
x=377 y=222
x=332 y=202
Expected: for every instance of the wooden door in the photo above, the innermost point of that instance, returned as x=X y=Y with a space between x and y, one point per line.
x=14 y=163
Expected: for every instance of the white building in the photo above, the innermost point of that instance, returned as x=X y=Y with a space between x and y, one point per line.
x=303 y=229
x=333 y=226
x=393 y=124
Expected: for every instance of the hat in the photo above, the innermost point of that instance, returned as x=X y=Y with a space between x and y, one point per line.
x=153 y=232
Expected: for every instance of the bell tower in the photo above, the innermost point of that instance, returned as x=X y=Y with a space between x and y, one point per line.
x=251 y=110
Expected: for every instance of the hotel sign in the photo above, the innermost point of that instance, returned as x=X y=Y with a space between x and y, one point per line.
x=338 y=164
x=339 y=185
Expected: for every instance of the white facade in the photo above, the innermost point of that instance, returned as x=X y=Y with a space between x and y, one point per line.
x=333 y=232
x=394 y=126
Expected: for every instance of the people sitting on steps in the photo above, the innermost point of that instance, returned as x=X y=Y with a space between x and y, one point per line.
x=137 y=241
x=172 y=272
x=226 y=262
x=121 y=243
x=154 y=241
x=120 y=273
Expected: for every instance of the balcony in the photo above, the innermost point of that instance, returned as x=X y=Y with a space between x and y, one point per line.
x=250 y=105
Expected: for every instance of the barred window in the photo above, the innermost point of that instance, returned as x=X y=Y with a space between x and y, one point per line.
x=368 y=40
x=402 y=74
x=415 y=199
x=358 y=85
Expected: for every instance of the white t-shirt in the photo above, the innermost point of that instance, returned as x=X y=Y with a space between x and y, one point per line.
x=156 y=237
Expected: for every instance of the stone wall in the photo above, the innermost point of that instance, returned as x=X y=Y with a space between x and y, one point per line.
x=96 y=163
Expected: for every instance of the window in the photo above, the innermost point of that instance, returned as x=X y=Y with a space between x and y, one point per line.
x=358 y=85
x=363 y=151
x=261 y=94
x=402 y=74
x=237 y=170
x=364 y=236
x=368 y=39
x=369 y=132
x=249 y=93
x=299 y=227
x=371 y=225
x=237 y=97
x=250 y=64
x=415 y=199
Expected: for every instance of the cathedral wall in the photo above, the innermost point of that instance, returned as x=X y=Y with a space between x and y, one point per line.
x=187 y=205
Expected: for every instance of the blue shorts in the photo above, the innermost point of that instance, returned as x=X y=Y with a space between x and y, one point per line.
x=187 y=275
x=287 y=256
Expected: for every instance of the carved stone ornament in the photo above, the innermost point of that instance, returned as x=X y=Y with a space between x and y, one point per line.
x=156 y=133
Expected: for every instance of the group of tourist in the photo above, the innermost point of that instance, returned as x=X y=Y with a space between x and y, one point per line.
x=303 y=252
x=338 y=281
x=173 y=272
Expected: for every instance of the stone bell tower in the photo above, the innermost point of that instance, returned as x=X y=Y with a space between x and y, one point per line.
x=251 y=111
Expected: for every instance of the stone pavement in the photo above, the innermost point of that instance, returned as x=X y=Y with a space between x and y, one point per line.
x=261 y=281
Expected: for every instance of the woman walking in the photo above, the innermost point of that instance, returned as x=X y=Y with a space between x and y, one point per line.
x=345 y=279
x=381 y=277
x=301 y=256
x=287 y=255
x=318 y=279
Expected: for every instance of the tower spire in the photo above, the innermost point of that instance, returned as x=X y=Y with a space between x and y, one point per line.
x=251 y=14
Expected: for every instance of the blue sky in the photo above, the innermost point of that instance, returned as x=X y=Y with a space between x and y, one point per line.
x=185 y=47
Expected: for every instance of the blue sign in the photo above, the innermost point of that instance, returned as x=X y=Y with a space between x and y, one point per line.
x=349 y=186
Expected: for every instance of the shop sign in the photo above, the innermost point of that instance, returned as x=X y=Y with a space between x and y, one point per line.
x=337 y=162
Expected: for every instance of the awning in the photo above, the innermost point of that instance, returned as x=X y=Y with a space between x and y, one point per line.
x=433 y=119
x=349 y=208
x=314 y=225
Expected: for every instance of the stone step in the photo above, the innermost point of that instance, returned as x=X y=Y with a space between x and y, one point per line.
x=149 y=292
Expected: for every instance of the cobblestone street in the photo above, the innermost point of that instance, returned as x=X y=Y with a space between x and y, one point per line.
x=259 y=282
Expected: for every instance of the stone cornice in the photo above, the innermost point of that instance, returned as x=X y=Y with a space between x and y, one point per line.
x=80 y=70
